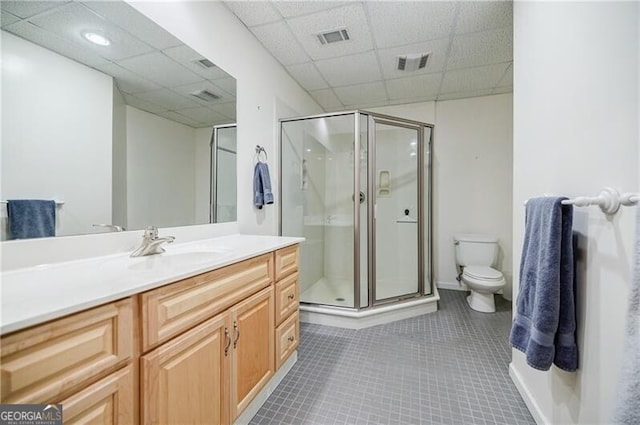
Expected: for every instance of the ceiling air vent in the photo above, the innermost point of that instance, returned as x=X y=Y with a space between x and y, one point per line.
x=334 y=36
x=205 y=95
x=205 y=63
x=412 y=62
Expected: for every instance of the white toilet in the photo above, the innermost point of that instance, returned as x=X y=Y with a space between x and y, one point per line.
x=475 y=256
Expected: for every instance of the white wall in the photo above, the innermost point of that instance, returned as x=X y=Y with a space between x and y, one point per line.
x=213 y=31
x=47 y=143
x=119 y=160
x=202 y=174
x=576 y=131
x=473 y=157
x=161 y=171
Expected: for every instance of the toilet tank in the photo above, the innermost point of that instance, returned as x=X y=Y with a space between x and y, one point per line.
x=475 y=249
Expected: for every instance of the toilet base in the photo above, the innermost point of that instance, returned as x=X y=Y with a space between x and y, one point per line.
x=482 y=302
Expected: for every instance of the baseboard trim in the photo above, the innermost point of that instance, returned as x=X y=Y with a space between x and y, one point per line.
x=455 y=286
x=526 y=395
x=245 y=417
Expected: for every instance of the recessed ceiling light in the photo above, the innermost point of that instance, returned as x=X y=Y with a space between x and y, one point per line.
x=96 y=38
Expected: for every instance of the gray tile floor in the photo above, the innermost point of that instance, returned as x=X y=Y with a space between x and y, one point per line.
x=448 y=367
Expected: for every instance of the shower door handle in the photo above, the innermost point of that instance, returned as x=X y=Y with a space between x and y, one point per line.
x=362 y=197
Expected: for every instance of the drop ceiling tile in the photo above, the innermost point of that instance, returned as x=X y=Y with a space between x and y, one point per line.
x=289 y=9
x=408 y=22
x=187 y=89
x=187 y=57
x=127 y=81
x=507 y=78
x=143 y=105
x=169 y=99
x=464 y=94
x=134 y=22
x=8 y=18
x=75 y=51
x=179 y=118
x=26 y=9
x=481 y=48
x=160 y=69
x=307 y=76
x=362 y=95
x=436 y=62
x=70 y=21
x=227 y=84
x=227 y=109
x=277 y=39
x=326 y=98
x=472 y=79
x=202 y=114
x=349 y=70
x=254 y=12
x=417 y=87
x=351 y=17
x=484 y=15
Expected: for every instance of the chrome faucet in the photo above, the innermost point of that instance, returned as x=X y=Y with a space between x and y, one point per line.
x=151 y=243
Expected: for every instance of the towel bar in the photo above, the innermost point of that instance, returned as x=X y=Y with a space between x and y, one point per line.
x=609 y=200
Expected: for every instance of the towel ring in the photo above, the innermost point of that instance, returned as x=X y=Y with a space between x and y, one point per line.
x=259 y=150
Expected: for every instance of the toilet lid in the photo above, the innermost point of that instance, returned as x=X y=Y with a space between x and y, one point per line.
x=482 y=272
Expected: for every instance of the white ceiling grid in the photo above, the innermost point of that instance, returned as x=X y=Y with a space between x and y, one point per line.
x=154 y=70
x=470 y=45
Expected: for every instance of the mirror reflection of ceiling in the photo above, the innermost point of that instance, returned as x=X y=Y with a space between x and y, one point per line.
x=469 y=46
x=153 y=70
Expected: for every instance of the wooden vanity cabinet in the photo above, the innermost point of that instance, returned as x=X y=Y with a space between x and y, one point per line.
x=83 y=361
x=194 y=351
x=208 y=372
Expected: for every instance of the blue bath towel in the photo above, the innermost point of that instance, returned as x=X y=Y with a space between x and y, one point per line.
x=31 y=218
x=627 y=406
x=544 y=323
x=262 y=193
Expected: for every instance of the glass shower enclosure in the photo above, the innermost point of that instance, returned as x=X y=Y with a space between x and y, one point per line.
x=357 y=186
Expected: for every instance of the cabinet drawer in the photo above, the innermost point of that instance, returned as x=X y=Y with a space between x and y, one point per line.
x=286 y=261
x=108 y=401
x=287 y=297
x=46 y=362
x=172 y=309
x=287 y=338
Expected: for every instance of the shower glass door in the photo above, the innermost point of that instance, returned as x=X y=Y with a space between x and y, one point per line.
x=395 y=197
x=318 y=203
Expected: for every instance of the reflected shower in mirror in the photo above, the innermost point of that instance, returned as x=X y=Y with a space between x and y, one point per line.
x=223 y=174
x=109 y=114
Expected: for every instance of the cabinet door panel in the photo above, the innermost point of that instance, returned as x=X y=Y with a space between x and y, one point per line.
x=287 y=338
x=253 y=349
x=287 y=298
x=107 y=402
x=185 y=381
x=52 y=360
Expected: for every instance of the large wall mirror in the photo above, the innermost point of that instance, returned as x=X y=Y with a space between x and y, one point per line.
x=111 y=116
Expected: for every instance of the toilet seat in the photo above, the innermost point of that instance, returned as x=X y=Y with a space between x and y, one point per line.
x=482 y=273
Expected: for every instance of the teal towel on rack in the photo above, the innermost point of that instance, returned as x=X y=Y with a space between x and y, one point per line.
x=544 y=322
x=31 y=218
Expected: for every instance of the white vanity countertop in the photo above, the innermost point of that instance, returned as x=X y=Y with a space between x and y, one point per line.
x=34 y=295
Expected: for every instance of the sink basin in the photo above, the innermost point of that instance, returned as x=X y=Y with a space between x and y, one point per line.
x=174 y=258
x=177 y=258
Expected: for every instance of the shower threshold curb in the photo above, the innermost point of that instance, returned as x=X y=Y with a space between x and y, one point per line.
x=351 y=319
